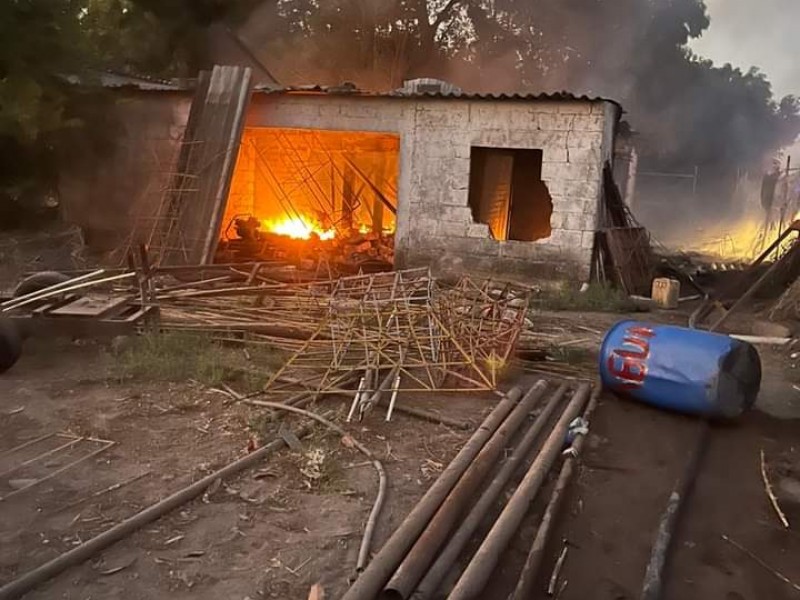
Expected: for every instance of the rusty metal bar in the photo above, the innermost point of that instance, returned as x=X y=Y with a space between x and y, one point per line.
x=459 y=540
x=530 y=571
x=475 y=577
x=378 y=572
x=422 y=554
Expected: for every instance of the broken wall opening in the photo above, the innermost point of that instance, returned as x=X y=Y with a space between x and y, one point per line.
x=506 y=192
x=314 y=184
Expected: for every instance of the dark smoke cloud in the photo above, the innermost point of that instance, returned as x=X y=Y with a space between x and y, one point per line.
x=689 y=112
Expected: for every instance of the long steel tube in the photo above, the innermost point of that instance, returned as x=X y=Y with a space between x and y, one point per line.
x=459 y=540
x=377 y=573
x=422 y=554
x=530 y=571
x=27 y=581
x=475 y=577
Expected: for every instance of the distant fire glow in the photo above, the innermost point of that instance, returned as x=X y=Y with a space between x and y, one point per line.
x=742 y=240
x=297 y=228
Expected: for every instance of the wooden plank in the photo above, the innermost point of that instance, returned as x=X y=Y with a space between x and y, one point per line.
x=630 y=256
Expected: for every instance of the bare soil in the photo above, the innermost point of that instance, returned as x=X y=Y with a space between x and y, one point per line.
x=297 y=519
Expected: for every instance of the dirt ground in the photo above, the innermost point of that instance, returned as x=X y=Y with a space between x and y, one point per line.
x=297 y=518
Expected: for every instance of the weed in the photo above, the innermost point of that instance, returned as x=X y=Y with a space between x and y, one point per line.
x=181 y=356
x=570 y=354
x=596 y=298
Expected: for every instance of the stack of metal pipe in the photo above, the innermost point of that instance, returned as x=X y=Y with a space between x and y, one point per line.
x=422 y=558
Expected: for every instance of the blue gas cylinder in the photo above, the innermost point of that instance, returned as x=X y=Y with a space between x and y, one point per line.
x=685 y=370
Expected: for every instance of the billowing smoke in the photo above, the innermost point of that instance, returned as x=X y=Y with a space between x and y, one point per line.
x=689 y=113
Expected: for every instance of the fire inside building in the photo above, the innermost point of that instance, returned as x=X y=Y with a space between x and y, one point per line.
x=424 y=175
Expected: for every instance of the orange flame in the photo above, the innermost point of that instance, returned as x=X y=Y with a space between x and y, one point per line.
x=297 y=228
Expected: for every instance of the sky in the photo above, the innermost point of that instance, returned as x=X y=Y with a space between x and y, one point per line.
x=761 y=33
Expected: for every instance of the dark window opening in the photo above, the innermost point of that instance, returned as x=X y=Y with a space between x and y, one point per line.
x=506 y=192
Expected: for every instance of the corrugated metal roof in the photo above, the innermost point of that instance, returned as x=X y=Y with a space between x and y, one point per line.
x=113 y=80
x=454 y=94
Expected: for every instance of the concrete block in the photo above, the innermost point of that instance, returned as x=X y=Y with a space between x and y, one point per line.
x=587 y=240
x=580 y=140
x=499 y=114
x=445 y=115
x=589 y=123
x=520 y=139
x=478 y=230
x=570 y=171
x=584 y=189
x=555 y=154
x=599 y=107
x=579 y=107
x=566 y=239
x=424 y=227
x=452 y=228
x=585 y=155
x=544 y=106
x=572 y=220
x=459 y=214
x=557 y=122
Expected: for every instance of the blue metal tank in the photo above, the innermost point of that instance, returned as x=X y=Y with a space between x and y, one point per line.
x=685 y=370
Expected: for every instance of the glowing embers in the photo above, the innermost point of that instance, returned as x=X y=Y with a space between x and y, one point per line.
x=297 y=228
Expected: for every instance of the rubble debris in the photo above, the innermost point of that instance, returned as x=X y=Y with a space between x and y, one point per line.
x=16 y=588
x=372 y=521
x=30 y=471
x=768 y=488
x=731 y=298
x=762 y=563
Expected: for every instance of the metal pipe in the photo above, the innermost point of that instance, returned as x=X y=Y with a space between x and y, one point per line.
x=653 y=585
x=356 y=399
x=459 y=540
x=377 y=573
x=393 y=399
x=70 y=288
x=433 y=417
x=530 y=571
x=31 y=579
x=777 y=265
x=422 y=554
x=10 y=304
x=475 y=577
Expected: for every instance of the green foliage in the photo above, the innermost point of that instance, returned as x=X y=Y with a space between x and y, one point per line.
x=178 y=357
x=688 y=111
x=597 y=298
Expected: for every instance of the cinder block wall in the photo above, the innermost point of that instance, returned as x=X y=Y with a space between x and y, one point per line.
x=434 y=221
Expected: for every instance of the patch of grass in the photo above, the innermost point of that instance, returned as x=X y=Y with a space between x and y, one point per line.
x=597 y=298
x=570 y=354
x=178 y=357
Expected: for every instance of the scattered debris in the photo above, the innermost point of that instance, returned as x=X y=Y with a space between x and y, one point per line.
x=116 y=570
x=770 y=494
x=763 y=564
x=551 y=587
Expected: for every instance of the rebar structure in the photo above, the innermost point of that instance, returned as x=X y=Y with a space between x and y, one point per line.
x=404 y=331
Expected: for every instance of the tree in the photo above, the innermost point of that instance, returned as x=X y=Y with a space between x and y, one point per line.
x=688 y=111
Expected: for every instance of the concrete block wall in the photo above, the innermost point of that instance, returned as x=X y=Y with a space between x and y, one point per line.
x=109 y=194
x=434 y=221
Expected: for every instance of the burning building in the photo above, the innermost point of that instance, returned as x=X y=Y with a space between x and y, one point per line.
x=461 y=182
